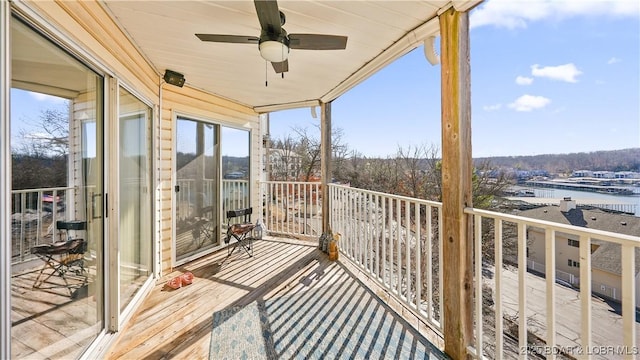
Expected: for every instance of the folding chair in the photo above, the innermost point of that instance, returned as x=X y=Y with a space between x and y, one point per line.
x=203 y=228
x=239 y=227
x=63 y=256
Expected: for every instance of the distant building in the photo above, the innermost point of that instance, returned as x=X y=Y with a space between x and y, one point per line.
x=603 y=174
x=582 y=173
x=626 y=175
x=606 y=274
x=285 y=164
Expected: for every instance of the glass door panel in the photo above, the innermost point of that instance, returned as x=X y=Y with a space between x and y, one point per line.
x=135 y=240
x=197 y=186
x=57 y=298
x=235 y=169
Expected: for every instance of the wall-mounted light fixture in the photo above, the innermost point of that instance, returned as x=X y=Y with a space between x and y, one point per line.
x=173 y=78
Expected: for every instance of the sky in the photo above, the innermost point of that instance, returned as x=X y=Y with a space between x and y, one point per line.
x=547 y=77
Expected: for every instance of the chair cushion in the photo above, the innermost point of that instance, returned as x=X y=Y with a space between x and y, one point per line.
x=73 y=246
x=239 y=229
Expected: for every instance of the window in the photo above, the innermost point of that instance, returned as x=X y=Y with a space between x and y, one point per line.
x=574 y=243
x=572 y=263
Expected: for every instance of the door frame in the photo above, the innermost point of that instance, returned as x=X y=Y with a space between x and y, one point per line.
x=116 y=318
x=175 y=115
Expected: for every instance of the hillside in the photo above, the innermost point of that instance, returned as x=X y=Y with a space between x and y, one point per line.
x=614 y=160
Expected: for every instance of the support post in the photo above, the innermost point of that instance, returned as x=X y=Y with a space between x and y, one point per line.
x=325 y=161
x=456 y=183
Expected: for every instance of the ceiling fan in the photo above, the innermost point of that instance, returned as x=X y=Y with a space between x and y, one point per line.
x=274 y=42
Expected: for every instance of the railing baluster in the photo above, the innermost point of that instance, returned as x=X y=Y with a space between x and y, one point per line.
x=585 y=291
x=629 y=300
x=418 y=258
x=23 y=235
x=441 y=270
x=383 y=240
x=374 y=252
x=390 y=268
x=398 y=269
x=522 y=287
x=367 y=224
x=428 y=244
x=497 y=236
x=478 y=273
x=550 y=270
x=39 y=212
x=354 y=228
x=407 y=250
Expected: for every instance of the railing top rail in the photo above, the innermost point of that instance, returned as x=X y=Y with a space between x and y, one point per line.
x=398 y=197
x=41 y=189
x=618 y=238
x=291 y=182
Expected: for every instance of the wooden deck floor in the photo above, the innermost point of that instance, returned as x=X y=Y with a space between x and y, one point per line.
x=288 y=275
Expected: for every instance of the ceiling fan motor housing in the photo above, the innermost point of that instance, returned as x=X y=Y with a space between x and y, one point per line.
x=274 y=47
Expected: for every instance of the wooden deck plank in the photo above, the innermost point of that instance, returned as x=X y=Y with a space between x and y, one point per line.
x=283 y=274
x=180 y=321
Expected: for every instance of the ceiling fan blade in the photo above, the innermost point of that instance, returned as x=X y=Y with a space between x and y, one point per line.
x=317 y=42
x=281 y=67
x=236 y=39
x=269 y=16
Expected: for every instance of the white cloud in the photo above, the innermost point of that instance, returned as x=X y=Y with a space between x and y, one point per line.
x=517 y=14
x=47 y=98
x=613 y=60
x=566 y=72
x=529 y=102
x=493 y=107
x=523 y=80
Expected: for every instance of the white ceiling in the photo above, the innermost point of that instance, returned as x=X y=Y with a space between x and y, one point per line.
x=378 y=32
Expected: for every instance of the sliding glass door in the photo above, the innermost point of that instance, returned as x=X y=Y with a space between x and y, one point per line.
x=135 y=223
x=197 y=217
x=57 y=203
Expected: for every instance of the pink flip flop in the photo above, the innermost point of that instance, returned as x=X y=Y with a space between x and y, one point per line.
x=175 y=283
x=186 y=278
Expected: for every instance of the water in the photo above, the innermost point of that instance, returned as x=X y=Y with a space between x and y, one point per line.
x=626 y=203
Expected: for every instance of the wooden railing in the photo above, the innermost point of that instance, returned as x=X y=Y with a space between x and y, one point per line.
x=396 y=241
x=34 y=213
x=559 y=333
x=292 y=208
x=235 y=195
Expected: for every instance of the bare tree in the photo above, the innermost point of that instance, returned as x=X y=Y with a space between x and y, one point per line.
x=286 y=158
x=410 y=161
x=49 y=136
x=309 y=149
x=40 y=159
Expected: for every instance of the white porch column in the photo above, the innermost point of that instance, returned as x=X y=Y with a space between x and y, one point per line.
x=5 y=184
x=456 y=183
x=325 y=161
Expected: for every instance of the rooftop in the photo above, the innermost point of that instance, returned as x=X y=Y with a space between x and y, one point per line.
x=607 y=256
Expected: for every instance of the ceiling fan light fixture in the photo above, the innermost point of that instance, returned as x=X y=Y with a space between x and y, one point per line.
x=274 y=51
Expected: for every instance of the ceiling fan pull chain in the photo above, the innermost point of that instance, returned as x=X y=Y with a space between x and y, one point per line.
x=266 y=80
